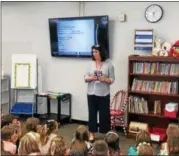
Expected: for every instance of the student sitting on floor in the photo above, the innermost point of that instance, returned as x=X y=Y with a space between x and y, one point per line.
x=112 y=139
x=47 y=133
x=100 y=148
x=9 y=119
x=9 y=138
x=142 y=136
x=31 y=125
x=13 y=120
x=145 y=149
x=80 y=144
x=29 y=144
x=170 y=131
x=58 y=147
x=171 y=147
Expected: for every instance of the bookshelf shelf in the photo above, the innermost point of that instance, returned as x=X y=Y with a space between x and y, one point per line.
x=153 y=93
x=159 y=76
x=153 y=115
x=155 y=75
x=153 y=59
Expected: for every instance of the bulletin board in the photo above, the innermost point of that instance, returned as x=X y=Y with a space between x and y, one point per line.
x=24 y=71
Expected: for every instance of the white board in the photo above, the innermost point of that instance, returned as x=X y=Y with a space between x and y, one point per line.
x=24 y=71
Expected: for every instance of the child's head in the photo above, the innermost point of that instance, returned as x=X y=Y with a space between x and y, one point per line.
x=8 y=133
x=29 y=144
x=31 y=124
x=100 y=148
x=112 y=139
x=78 y=145
x=9 y=119
x=58 y=146
x=173 y=142
x=144 y=149
x=78 y=148
x=171 y=128
x=143 y=136
x=82 y=133
x=46 y=130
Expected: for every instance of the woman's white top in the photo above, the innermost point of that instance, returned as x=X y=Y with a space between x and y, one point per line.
x=96 y=87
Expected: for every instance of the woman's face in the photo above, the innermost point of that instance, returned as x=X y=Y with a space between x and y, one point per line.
x=96 y=54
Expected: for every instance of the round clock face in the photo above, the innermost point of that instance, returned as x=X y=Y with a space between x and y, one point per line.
x=153 y=13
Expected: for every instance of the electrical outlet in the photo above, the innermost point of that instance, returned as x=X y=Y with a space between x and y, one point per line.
x=122 y=17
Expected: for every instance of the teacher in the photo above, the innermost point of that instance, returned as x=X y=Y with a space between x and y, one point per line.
x=100 y=76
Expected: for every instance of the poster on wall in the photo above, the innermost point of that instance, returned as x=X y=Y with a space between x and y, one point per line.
x=143 y=41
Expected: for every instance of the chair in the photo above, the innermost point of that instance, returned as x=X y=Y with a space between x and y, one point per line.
x=117 y=109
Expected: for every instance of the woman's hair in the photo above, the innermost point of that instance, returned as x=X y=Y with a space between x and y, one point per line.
x=145 y=149
x=58 y=146
x=173 y=142
x=102 y=52
x=31 y=124
x=29 y=144
x=112 y=139
x=143 y=136
x=46 y=130
x=100 y=148
x=78 y=145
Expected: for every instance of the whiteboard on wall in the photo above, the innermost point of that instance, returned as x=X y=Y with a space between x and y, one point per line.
x=24 y=71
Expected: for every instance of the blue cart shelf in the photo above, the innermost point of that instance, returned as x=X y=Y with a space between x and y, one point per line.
x=22 y=108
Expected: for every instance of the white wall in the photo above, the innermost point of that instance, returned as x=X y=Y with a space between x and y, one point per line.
x=25 y=30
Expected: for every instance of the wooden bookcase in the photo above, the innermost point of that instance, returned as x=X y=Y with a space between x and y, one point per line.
x=154 y=120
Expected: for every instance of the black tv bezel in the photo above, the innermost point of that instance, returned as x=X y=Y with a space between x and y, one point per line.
x=80 y=17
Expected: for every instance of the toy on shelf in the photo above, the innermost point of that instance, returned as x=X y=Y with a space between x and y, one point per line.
x=165 y=49
x=175 y=49
x=157 y=47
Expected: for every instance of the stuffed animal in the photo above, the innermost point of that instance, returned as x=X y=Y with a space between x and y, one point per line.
x=165 y=49
x=163 y=53
x=175 y=49
x=157 y=47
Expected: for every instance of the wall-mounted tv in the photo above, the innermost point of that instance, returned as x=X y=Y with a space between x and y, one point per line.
x=74 y=36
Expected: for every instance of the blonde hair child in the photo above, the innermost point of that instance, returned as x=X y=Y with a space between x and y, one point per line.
x=29 y=144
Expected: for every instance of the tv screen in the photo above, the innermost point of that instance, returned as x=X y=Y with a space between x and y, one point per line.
x=74 y=36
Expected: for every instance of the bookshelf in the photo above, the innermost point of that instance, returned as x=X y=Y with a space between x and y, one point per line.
x=5 y=94
x=153 y=78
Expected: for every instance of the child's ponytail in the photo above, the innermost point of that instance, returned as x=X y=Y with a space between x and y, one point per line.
x=43 y=134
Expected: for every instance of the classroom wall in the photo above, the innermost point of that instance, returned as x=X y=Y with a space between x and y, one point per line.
x=25 y=30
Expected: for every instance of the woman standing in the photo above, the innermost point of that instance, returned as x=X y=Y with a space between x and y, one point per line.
x=99 y=77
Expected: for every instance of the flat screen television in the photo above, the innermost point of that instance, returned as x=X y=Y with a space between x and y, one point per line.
x=74 y=36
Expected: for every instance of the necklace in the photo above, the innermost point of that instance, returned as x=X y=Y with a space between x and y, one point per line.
x=98 y=66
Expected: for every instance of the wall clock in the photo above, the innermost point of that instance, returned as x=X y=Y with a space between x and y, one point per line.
x=153 y=13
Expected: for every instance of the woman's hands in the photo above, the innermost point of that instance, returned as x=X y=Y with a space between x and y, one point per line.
x=104 y=79
x=100 y=78
x=92 y=78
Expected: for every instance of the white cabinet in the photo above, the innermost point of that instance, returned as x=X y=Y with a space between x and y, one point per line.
x=5 y=94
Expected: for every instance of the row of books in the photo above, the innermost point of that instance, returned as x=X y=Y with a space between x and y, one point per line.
x=137 y=105
x=156 y=68
x=165 y=87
